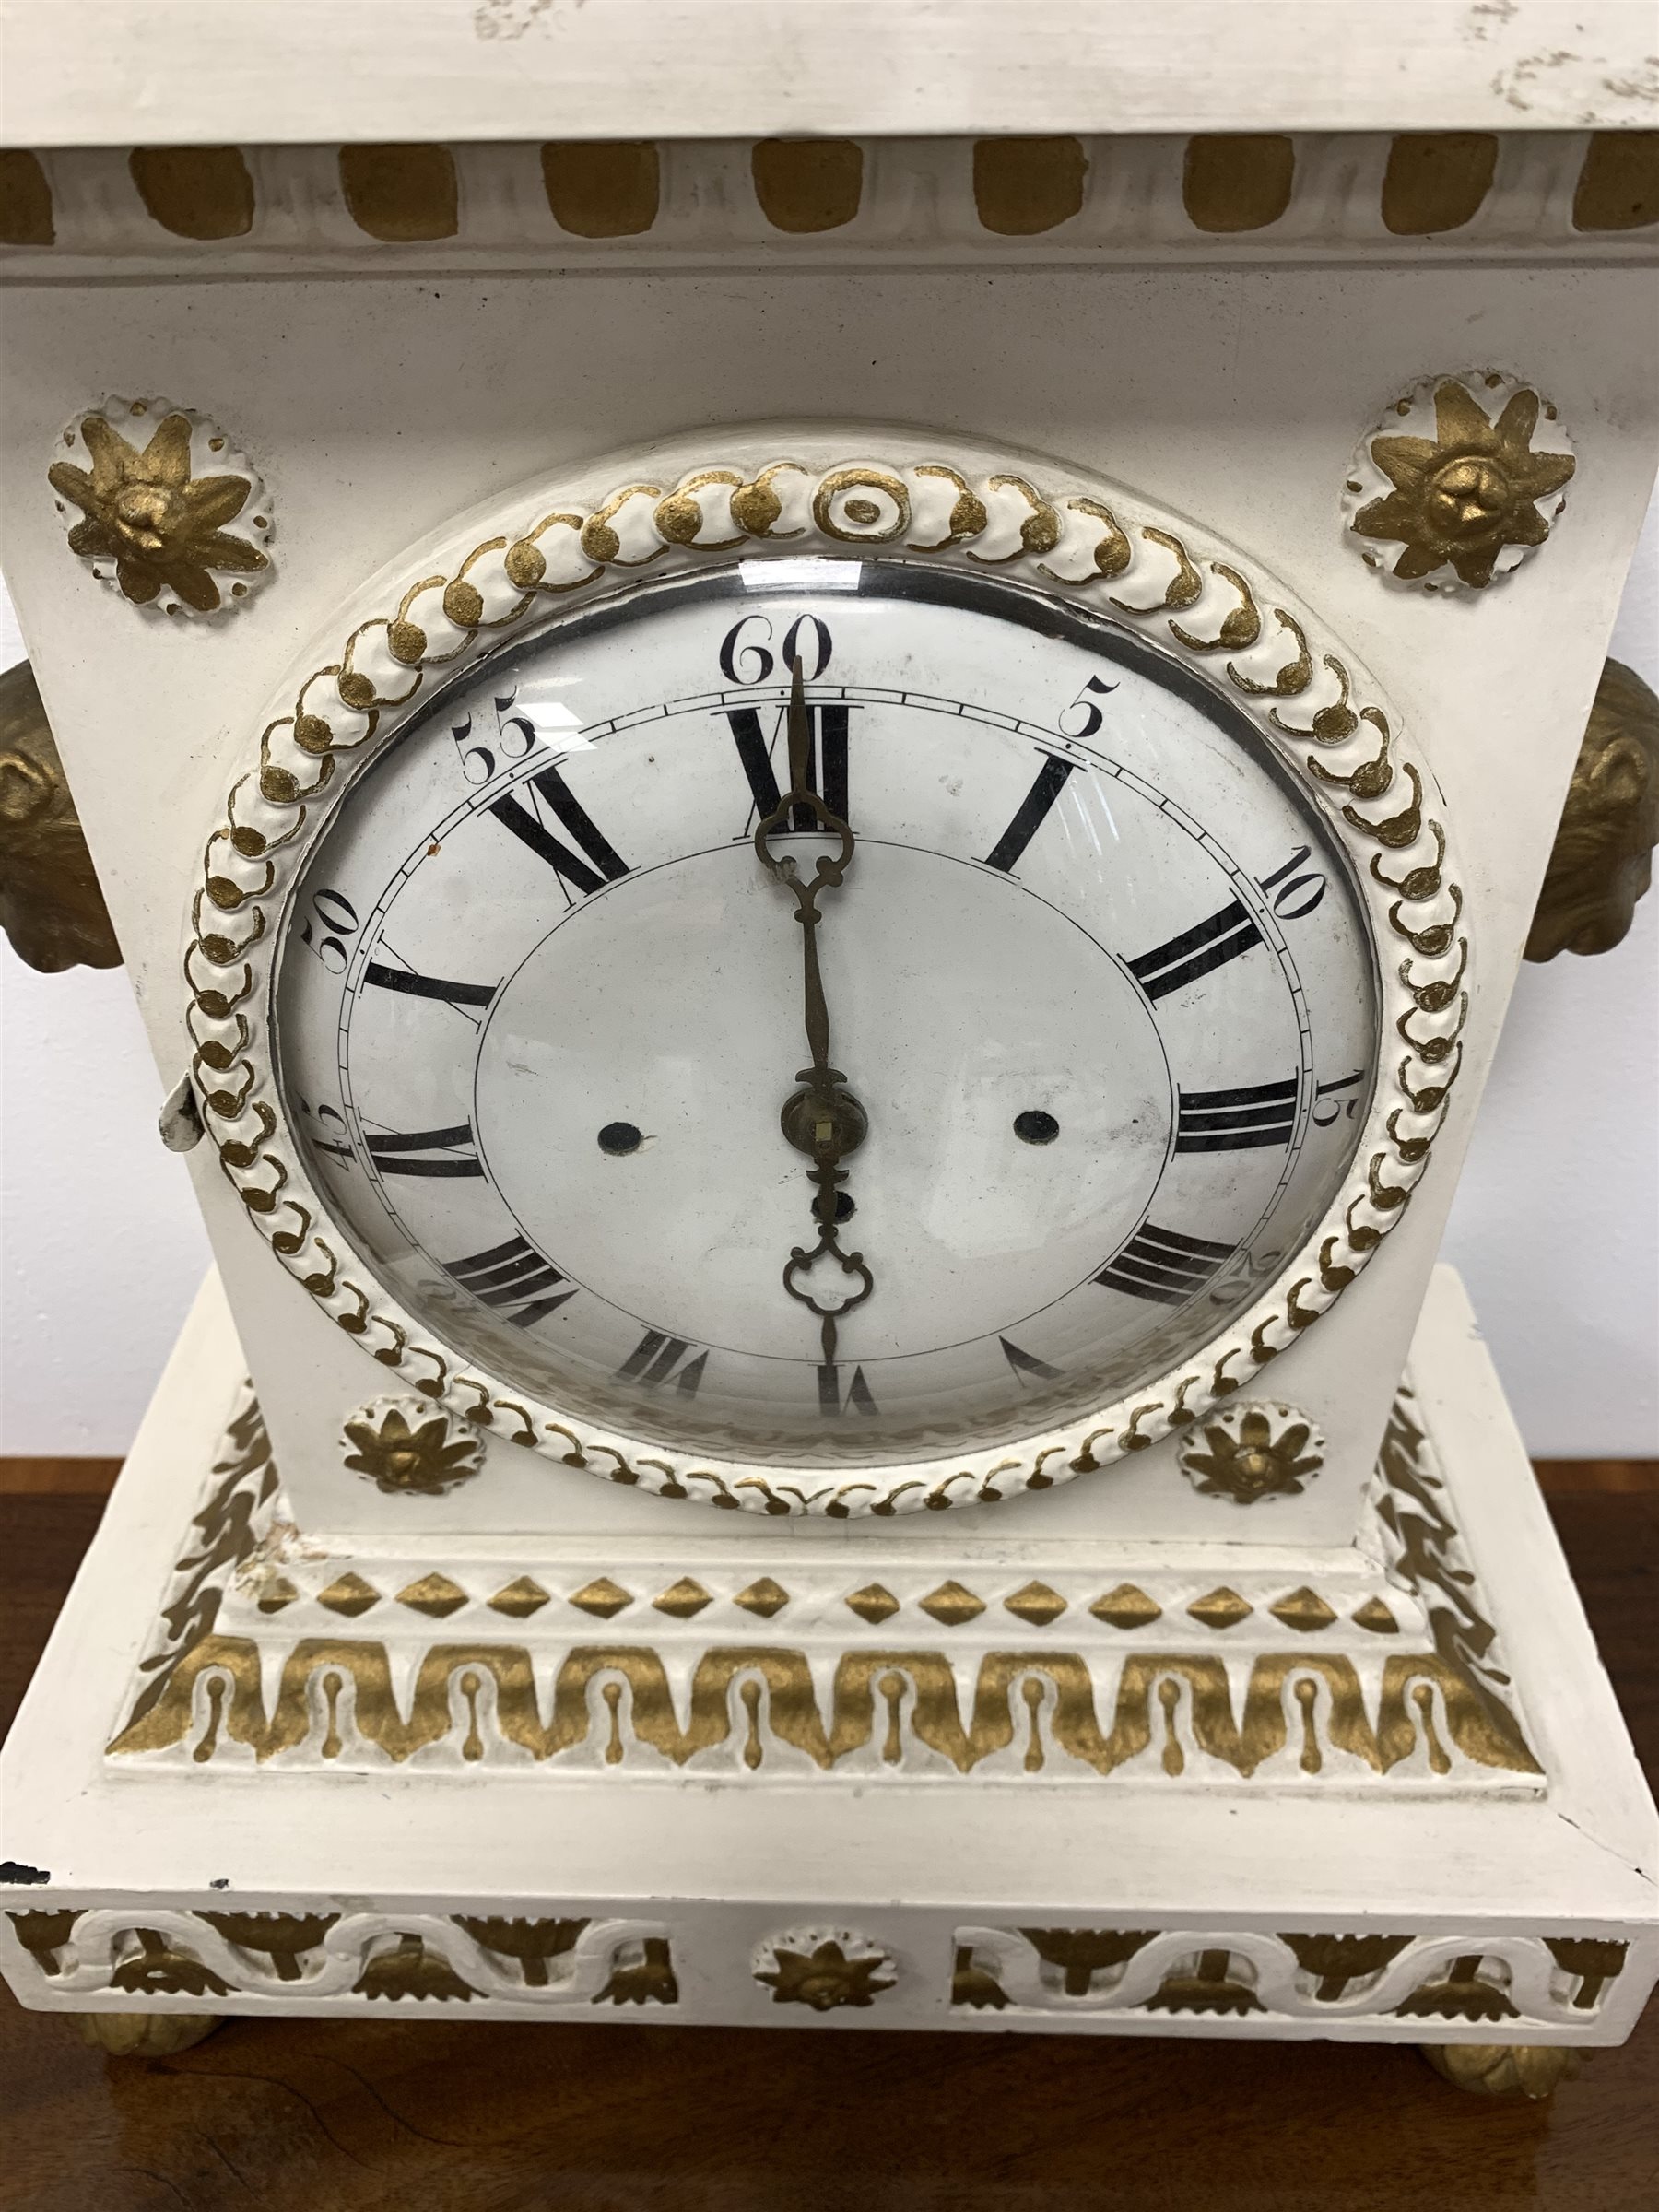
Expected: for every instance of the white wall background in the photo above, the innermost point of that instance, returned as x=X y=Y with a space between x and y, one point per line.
x=1556 y=1225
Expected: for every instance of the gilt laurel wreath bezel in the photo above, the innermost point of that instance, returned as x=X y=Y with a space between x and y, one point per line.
x=480 y=583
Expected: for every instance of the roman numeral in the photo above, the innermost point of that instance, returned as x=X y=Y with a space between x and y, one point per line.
x=830 y=1403
x=388 y=1152
x=654 y=1360
x=1237 y=1120
x=1027 y=1367
x=528 y=826
x=1033 y=811
x=1197 y=951
x=1157 y=1264
x=510 y=1276
x=828 y=727
x=428 y=986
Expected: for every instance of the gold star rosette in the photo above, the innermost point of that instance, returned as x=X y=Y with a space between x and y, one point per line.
x=158 y=506
x=1459 y=483
x=407 y=1447
x=824 y=1968
x=1249 y=1453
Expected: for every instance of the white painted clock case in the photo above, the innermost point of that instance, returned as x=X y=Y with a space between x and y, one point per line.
x=1202 y=393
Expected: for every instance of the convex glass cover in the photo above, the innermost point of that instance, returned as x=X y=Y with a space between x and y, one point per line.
x=1020 y=1048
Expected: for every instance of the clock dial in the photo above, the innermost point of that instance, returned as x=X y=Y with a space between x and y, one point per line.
x=1024 y=1048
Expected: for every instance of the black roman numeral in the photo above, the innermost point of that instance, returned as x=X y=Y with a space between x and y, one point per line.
x=388 y=1152
x=1033 y=811
x=514 y=1277
x=828 y=727
x=832 y=1404
x=654 y=1360
x=528 y=826
x=1197 y=951
x=1237 y=1120
x=1027 y=1367
x=1157 y=1264
x=428 y=986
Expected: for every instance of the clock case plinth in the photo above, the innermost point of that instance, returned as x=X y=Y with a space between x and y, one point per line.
x=326 y=1835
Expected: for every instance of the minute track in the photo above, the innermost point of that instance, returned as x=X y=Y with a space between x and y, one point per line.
x=941 y=770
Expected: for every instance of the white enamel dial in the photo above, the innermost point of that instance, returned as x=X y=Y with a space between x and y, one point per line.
x=1096 y=974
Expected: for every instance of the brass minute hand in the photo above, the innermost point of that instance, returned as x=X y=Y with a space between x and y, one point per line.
x=823 y=1120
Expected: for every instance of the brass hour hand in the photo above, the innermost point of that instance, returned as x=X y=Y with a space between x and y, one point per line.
x=822 y=1119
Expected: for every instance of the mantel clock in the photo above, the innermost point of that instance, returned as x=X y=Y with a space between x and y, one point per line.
x=825 y=836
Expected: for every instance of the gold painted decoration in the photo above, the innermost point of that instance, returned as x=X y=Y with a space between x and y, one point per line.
x=203 y=192
x=807 y=184
x=682 y=1600
x=350 y=1960
x=1238 y=180
x=1080 y=1956
x=25 y=200
x=603 y=1598
x=873 y=1603
x=407 y=1447
x=519 y=1598
x=44 y=1932
x=433 y=1594
x=532 y=1942
x=950 y=1604
x=465 y=600
x=1126 y=1606
x=1601 y=863
x=1249 y=1453
x=1531 y=2070
x=1618 y=184
x=282 y=1937
x=207 y=1691
x=1340 y=1978
x=1211 y=1983
x=409 y=1970
x=157 y=1968
x=349 y=1595
x=1178 y=1708
x=51 y=906
x=1335 y=1961
x=1570 y=196
x=159 y=507
x=402 y=194
x=643 y=1974
x=1025 y=186
x=1304 y=1610
x=1036 y=1602
x=536 y=1956
x=1437 y=181
x=825 y=1969
x=1464 y=1991
x=1465 y=476
x=602 y=188
x=1220 y=1608
x=764 y=1598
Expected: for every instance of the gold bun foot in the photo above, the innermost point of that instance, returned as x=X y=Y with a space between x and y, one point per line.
x=147 y=2034
x=1533 y=2070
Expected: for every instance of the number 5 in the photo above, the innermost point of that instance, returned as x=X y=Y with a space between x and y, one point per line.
x=1092 y=716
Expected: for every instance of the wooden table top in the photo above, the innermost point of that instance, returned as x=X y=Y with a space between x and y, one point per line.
x=441 y=2116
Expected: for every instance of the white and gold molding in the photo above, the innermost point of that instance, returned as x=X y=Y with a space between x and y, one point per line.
x=1414 y=1985
x=274 y=1652
x=1366 y=196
